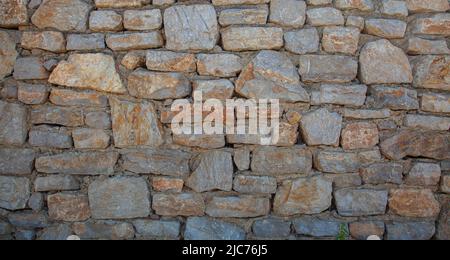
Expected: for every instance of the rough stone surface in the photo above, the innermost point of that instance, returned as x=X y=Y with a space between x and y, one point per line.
x=8 y=54
x=302 y=41
x=208 y=229
x=316 y=227
x=386 y=28
x=13 y=13
x=119 y=198
x=104 y=231
x=381 y=173
x=255 y=184
x=327 y=68
x=68 y=207
x=15 y=192
x=48 y=41
x=16 y=161
x=54 y=115
x=219 y=65
x=414 y=203
x=183 y=204
x=275 y=161
x=252 y=38
x=424 y=174
x=153 y=229
x=30 y=68
x=303 y=196
x=395 y=98
x=53 y=137
x=325 y=16
x=340 y=40
x=432 y=72
x=13 y=126
x=321 y=127
x=290 y=13
x=359 y=136
x=271 y=228
x=134 y=41
x=361 y=202
x=56 y=183
x=245 y=206
x=383 y=63
x=410 y=231
x=93 y=71
x=168 y=61
x=364 y=229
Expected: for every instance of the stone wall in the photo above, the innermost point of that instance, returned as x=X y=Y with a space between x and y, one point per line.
x=86 y=146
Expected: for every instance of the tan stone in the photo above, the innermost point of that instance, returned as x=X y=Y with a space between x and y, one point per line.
x=68 y=207
x=135 y=124
x=414 y=203
x=63 y=15
x=8 y=54
x=245 y=206
x=67 y=97
x=362 y=230
x=183 y=204
x=134 y=59
x=438 y=24
x=340 y=40
x=141 y=20
x=48 y=41
x=239 y=2
x=168 y=61
x=165 y=184
x=219 y=65
x=85 y=138
x=445 y=184
x=92 y=71
x=135 y=41
x=13 y=13
x=120 y=4
x=252 y=38
x=360 y=136
x=435 y=102
x=425 y=6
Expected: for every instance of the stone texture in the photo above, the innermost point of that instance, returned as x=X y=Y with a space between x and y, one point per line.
x=382 y=173
x=85 y=42
x=134 y=41
x=418 y=46
x=325 y=16
x=352 y=95
x=168 y=61
x=14 y=192
x=359 y=136
x=104 y=231
x=394 y=8
x=55 y=233
x=201 y=141
x=303 y=196
x=395 y=98
x=213 y=171
x=66 y=97
x=366 y=113
x=432 y=72
x=52 y=137
x=157 y=85
x=321 y=127
x=56 y=183
x=410 y=231
x=414 y=203
x=245 y=206
x=361 y=5
x=435 y=25
x=361 y=202
x=16 y=161
x=252 y=38
x=119 y=198
x=8 y=54
x=428 y=122
x=219 y=65
x=68 y=207
x=28 y=219
x=277 y=161
x=238 y=2
x=417 y=6
x=120 y=4
x=221 y=89
x=288 y=137
x=98 y=120
x=317 y=227
x=135 y=124
x=36 y=201
x=340 y=40
x=424 y=174
x=327 y=68
x=89 y=163
x=54 y=115
x=13 y=13
x=191 y=27
x=302 y=41
x=255 y=184
x=48 y=41
x=383 y=63
x=32 y=94
x=364 y=229
x=386 y=28
x=183 y=204
x=247 y=16
x=153 y=229
x=209 y=229
x=157 y=161
x=271 y=228
x=416 y=144
x=13 y=125
x=288 y=13
x=445 y=184
x=88 y=71
x=63 y=15
x=30 y=68
x=101 y=21
x=337 y=162
x=436 y=103
x=271 y=75
x=136 y=20
x=85 y=138
x=166 y=184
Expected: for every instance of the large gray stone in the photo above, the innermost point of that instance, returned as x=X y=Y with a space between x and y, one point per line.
x=214 y=170
x=14 y=192
x=321 y=127
x=8 y=54
x=16 y=161
x=271 y=228
x=157 y=229
x=104 y=231
x=52 y=137
x=382 y=173
x=317 y=227
x=119 y=198
x=209 y=229
x=410 y=231
x=191 y=27
x=327 y=68
x=13 y=124
x=361 y=202
x=56 y=183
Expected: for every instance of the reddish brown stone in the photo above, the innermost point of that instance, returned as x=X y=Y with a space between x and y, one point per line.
x=68 y=207
x=163 y=184
x=360 y=136
x=414 y=203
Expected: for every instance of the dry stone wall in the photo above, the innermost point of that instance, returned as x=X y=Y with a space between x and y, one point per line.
x=86 y=146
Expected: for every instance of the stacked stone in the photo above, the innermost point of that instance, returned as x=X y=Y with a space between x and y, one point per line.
x=86 y=146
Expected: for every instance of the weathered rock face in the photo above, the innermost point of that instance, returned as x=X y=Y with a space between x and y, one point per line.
x=271 y=228
x=168 y=61
x=135 y=124
x=93 y=71
x=277 y=161
x=395 y=98
x=435 y=25
x=13 y=13
x=381 y=173
x=214 y=171
x=245 y=206
x=219 y=65
x=410 y=231
x=424 y=174
x=104 y=231
x=12 y=124
x=340 y=40
x=290 y=13
x=192 y=27
x=208 y=229
x=15 y=192
x=153 y=229
x=432 y=72
x=8 y=54
x=183 y=204
x=360 y=136
x=327 y=68
x=416 y=144
x=303 y=196
x=48 y=41
x=416 y=6
x=63 y=15
x=363 y=230
x=248 y=16
x=383 y=63
x=120 y=4
x=317 y=227
x=16 y=161
x=271 y=75
x=361 y=202
x=68 y=207
x=414 y=203
x=159 y=86
x=119 y=198
x=321 y=127
x=252 y=38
